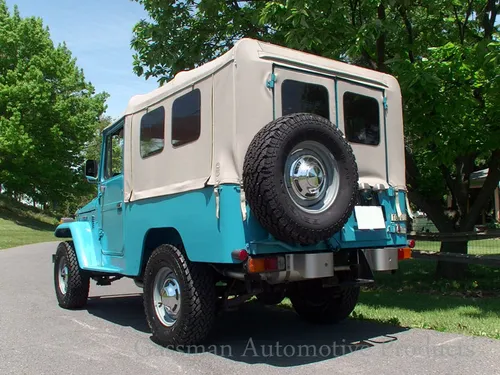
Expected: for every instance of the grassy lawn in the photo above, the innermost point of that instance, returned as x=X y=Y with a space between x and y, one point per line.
x=418 y=276
x=470 y=316
x=22 y=225
x=414 y=298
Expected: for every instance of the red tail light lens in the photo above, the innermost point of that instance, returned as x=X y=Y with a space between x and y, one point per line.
x=404 y=253
x=266 y=264
x=239 y=255
x=271 y=264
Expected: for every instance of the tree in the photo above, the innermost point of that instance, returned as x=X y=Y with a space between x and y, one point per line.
x=83 y=191
x=210 y=26
x=445 y=54
x=47 y=112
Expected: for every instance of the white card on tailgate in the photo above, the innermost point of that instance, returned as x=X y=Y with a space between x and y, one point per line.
x=369 y=217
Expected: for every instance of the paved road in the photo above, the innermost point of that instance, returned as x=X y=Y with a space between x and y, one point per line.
x=110 y=336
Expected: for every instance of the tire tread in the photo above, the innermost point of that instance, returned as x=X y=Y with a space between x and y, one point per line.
x=197 y=323
x=78 y=283
x=262 y=194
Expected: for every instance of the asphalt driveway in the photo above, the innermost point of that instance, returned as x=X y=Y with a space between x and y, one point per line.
x=110 y=336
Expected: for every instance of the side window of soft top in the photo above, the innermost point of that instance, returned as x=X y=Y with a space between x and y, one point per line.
x=152 y=137
x=186 y=118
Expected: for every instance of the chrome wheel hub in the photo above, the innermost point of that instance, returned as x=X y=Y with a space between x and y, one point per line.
x=311 y=177
x=307 y=177
x=166 y=297
x=63 y=274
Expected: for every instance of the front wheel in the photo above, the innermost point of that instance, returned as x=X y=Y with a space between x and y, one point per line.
x=179 y=298
x=316 y=304
x=71 y=283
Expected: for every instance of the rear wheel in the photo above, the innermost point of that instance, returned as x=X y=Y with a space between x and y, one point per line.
x=179 y=297
x=71 y=283
x=324 y=305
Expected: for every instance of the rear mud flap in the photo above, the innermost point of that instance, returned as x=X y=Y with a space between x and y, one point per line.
x=364 y=270
x=361 y=272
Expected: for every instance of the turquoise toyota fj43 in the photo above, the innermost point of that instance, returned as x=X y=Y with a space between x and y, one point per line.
x=266 y=172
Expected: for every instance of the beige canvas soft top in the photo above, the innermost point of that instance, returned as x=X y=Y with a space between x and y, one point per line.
x=245 y=47
x=236 y=103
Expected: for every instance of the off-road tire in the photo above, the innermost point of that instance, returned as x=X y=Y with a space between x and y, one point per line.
x=78 y=285
x=325 y=305
x=198 y=298
x=265 y=189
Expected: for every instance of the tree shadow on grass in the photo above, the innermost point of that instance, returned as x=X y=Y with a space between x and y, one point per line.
x=29 y=222
x=420 y=276
x=254 y=333
x=471 y=316
x=419 y=302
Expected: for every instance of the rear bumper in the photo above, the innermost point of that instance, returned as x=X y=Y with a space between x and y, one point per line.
x=306 y=266
x=384 y=259
x=359 y=263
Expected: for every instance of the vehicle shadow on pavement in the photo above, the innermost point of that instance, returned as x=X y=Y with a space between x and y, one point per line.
x=125 y=309
x=259 y=334
x=278 y=337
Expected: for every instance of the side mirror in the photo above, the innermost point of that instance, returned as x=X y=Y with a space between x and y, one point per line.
x=91 y=168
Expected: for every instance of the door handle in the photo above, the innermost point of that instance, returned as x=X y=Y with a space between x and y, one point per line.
x=119 y=205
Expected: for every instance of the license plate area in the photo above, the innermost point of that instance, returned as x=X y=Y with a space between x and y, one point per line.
x=369 y=217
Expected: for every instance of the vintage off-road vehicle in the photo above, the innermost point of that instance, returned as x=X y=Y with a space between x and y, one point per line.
x=266 y=172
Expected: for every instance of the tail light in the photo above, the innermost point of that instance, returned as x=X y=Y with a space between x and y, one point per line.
x=266 y=264
x=239 y=255
x=411 y=244
x=404 y=253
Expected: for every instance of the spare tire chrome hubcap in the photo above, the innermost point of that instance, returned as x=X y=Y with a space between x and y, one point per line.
x=307 y=177
x=166 y=297
x=311 y=177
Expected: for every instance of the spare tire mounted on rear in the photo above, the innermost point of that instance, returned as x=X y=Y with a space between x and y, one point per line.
x=300 y=178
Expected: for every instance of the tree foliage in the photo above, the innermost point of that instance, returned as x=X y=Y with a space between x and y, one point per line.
x=445 y=53
x=210 y=26
x=48 y=111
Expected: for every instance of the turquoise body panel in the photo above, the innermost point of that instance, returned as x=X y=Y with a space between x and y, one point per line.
x=207 y=238
x=193 y=215
x=112 y=216
x=87 y=246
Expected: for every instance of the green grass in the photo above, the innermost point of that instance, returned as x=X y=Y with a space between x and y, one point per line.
x=476 y=247
x=413 y=297
x=22 y=225
x=470 y=316
x=419 y=276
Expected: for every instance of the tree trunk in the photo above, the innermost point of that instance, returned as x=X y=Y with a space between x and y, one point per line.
x=452 y=270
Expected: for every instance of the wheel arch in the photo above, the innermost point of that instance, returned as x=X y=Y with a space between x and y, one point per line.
x=87 y=252
x=155 y=237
